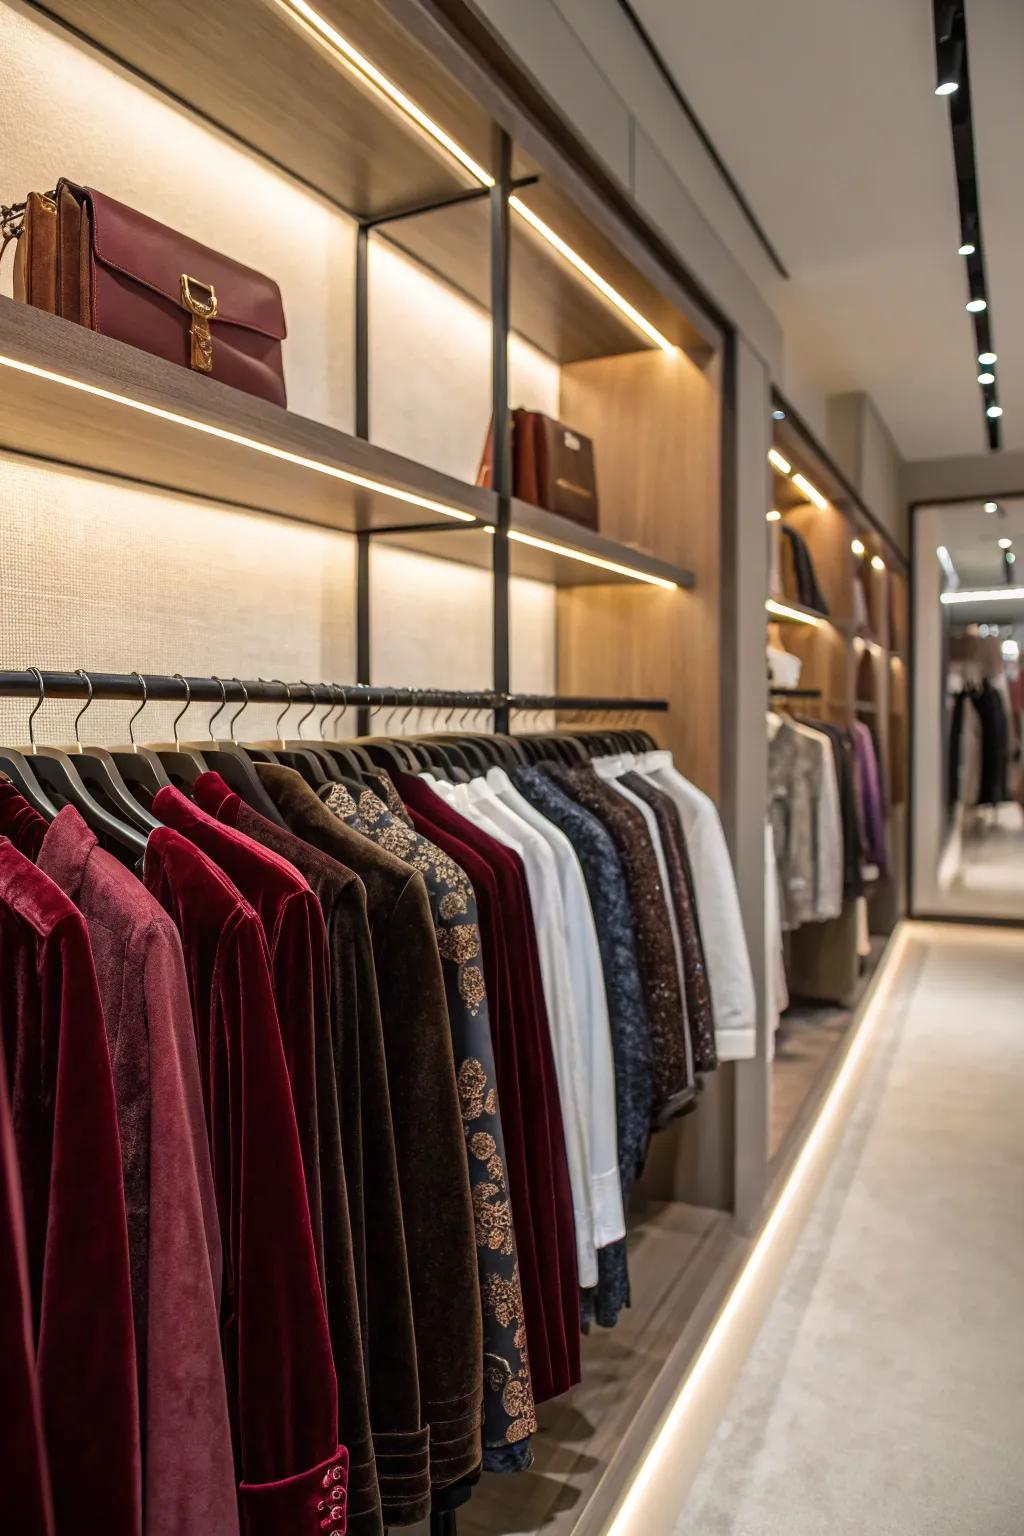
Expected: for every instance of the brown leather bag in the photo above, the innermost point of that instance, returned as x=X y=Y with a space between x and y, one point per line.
x=552 y=467
x=87 y=258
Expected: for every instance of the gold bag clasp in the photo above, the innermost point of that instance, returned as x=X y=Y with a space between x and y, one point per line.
x=201 y=302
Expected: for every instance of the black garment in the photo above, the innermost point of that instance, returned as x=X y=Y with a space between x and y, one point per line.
x=956 y=731
x=994 y=736
x=808 y=591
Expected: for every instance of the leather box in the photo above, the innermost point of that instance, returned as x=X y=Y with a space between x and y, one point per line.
x=552 y=467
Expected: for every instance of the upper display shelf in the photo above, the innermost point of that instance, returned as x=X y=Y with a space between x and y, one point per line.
x=342 y=97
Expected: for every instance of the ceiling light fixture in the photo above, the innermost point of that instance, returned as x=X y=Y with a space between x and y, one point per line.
x=994 y=411
x=783 y=611
x=772 y=516
x=857 y=546
x=975 y=306
x=329 y=38
x=810 y=491
x=776 y=460
x=986 y=378
x=364 y=482
x=877 y=563
x=1005 y=543
x=1010 y=558
x=988 y=358
x=991 y=506
x=949 y=56
x=984 y=595
x=778 y=415
x=967 y=249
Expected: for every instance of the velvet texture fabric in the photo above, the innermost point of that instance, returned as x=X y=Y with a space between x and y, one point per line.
x=509 y=1415
x=24 y=1471
x=384 y=1300
x=700 y=1016
x=69 y=1160
x=527 y=1088
x=173 y=1236
x=674 y=1093
x=294 y=920
x=627 y=1015
x=282 y=1389
x=437 y=1207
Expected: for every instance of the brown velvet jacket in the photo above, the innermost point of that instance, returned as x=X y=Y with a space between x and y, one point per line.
x=437 y=1206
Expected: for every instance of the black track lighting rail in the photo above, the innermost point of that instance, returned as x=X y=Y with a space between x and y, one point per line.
x=953 y=79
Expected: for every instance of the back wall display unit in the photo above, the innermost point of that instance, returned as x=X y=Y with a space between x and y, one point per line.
x=356 y=218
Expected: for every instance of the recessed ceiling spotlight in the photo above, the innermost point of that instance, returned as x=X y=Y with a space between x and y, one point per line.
x=987 y=358
x=778 y=415
x=857 y=546
x=773 y=516
x=986 y=378
x=877 y=562
x=975 y=306
x=1005 y=543
x=967 y=249
x=994 y=411
x=991 y=506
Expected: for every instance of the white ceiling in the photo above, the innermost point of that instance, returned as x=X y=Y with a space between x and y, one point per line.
x=825 y=113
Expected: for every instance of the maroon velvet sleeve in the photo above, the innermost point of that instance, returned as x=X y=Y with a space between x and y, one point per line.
x=24 y=1474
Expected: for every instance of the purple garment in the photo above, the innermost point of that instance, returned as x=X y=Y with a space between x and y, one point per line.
x=871 y=802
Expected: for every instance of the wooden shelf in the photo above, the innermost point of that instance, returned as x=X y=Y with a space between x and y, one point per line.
x=168 y=427
x=810 y=613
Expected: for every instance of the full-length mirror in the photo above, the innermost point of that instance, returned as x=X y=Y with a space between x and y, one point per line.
x=969 y=695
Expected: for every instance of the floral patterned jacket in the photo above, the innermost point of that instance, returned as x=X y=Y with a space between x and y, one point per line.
x=509 y=1413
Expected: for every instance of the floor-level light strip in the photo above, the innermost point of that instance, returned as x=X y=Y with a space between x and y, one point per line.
x=783 y=611
x=551 y=548
x=222 y=434
x=629 y=1518
x=984 y=595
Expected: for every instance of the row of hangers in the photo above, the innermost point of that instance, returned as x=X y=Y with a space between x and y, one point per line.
x=113 y=788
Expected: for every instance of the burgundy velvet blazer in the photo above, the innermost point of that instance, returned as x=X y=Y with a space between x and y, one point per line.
x=69 y=1158
x=433 y=1179
x=282 y=1389
x=527 y=1088
x=24 y=1471
x=293 y=924
x=173 y=1236
x=367 y=1143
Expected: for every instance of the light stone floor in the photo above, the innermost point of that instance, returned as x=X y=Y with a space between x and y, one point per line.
x=885 y=1393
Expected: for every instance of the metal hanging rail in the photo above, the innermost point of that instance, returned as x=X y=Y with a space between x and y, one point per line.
x=174 y=688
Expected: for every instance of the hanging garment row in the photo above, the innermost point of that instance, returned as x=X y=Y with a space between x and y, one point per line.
x=328 y=1069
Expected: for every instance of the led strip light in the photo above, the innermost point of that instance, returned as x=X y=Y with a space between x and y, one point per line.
x=984 y=595
x=578 y=554
x=783 y=611
x=340 y=49
x=222 y=434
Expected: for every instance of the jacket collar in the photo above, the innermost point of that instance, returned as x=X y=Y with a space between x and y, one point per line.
x=65 y=852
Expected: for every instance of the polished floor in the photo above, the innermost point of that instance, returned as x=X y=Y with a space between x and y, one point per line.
x=885 y=1392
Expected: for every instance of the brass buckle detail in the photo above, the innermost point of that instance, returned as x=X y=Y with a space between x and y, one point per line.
x=202 y=306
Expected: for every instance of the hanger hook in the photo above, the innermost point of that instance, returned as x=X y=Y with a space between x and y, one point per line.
x=181 y=713
x=36 y=707
x=223 y=700
x=288 y=694
x=82 y=673
x=328 y=711
x=312 y=705
x=136 y=713
x=239 y=711
x=344 y=704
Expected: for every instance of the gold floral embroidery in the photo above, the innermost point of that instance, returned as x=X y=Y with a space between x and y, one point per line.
x=503 y=1298
x=338 y=800
x=482 y=1145
x=472 y=990
x=521 y=1429
x=454 y=904
x=493 y=1219
x=516 y=1399
x=371 y=809
x=459 y=944
x=472 y=1082
x=397 y=840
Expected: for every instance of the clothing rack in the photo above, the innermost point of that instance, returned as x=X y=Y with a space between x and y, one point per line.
x=161 y=687
x=795 y=693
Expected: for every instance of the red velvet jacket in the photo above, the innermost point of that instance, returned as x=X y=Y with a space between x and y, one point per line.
x=24 y=1471
x=297 y=938
x=282 y=1389
x=65 y=1132
x=173 y=1235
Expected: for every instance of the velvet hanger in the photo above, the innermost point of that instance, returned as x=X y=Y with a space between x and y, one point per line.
x=233 y=763
x=100 y=773
x=62 y=782
x=182 y=764
x=16 y=767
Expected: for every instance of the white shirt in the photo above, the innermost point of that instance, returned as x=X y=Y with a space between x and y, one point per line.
x=586 y=978
x=479 y=804
x=718 y=907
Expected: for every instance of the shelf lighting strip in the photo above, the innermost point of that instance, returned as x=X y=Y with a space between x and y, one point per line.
x=578 y=554
x=326 y=36
x=222 y=434
x=984 y=595
x=783 y=611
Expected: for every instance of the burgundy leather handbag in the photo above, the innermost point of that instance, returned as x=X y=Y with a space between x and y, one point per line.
x=90 y=259
x=552 y=467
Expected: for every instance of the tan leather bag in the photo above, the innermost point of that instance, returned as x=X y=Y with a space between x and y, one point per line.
x=101 y=264
x=552 y=467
